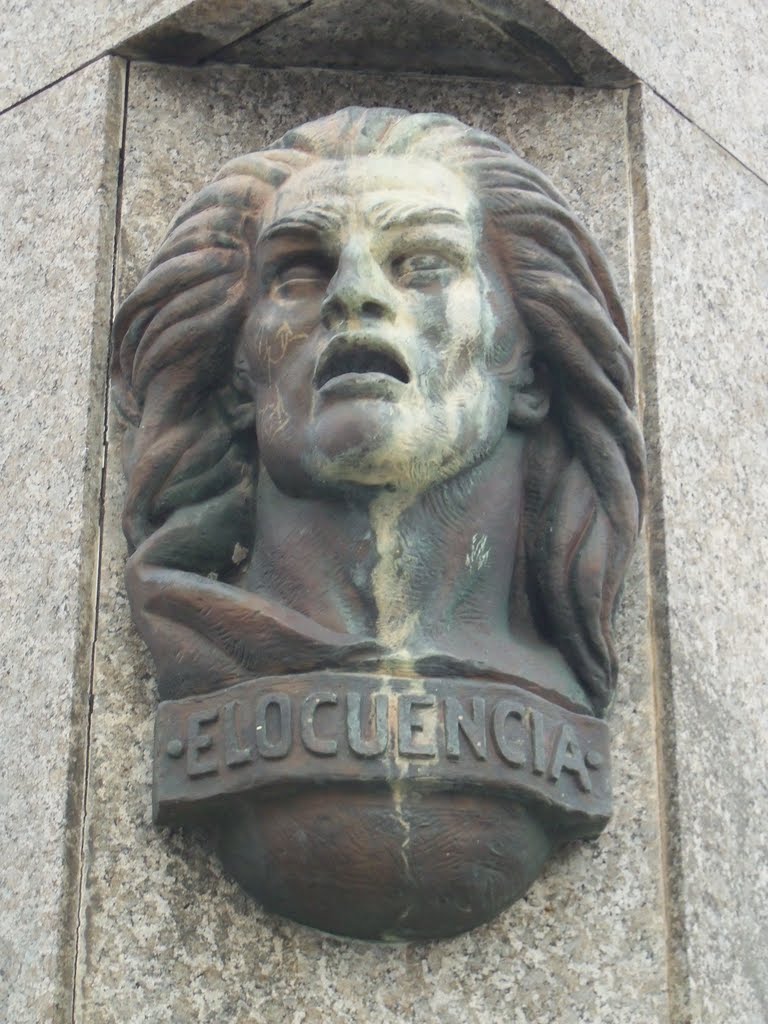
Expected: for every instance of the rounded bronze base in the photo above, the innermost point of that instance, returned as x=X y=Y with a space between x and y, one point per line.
x=384 y=865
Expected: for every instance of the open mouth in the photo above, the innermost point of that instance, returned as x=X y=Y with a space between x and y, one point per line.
x=360 y=358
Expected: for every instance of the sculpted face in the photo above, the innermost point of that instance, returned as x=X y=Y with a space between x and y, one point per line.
x=368 y=345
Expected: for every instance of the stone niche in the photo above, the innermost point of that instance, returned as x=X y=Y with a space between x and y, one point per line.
x=167 y=936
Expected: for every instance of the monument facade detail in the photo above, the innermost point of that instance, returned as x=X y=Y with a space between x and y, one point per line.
x=384 y=479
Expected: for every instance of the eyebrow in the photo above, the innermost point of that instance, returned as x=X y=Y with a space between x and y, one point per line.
x=384 y=215
x=311 y=218
x=388 y=214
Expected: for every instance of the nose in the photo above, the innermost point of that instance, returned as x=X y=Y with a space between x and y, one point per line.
x=359 y=290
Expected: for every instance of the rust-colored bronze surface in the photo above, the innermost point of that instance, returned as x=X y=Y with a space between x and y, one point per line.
x=384 y=478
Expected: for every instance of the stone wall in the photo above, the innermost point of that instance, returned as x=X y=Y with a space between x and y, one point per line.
x=108 y=919
x=706 y=388
x=59 y=161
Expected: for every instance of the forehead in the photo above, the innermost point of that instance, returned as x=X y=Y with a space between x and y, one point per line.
x=376 y=191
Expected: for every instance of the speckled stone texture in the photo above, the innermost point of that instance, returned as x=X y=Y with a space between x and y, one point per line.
x=203 y=27
x=526 y=41
x=709 y=59
x=58 y=185
x=43 y=41
x=707 y=392
x=167 y=939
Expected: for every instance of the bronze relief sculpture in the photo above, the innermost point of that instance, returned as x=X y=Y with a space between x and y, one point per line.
x=384 y=478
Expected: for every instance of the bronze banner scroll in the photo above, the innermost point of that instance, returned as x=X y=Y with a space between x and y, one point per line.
x=268 y=734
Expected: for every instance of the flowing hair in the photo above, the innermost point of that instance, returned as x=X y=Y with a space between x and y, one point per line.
x=189 y=448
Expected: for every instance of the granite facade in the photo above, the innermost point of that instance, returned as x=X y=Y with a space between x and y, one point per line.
x=707 y=401
x=522 y=41
x=711 y=63
x=708 y=59
x=58 y=188
x=42 y=41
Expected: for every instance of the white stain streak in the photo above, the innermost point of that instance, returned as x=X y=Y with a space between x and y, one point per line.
x=239 y=554
x=391 y=587
x=398 y=789
x=478 y=554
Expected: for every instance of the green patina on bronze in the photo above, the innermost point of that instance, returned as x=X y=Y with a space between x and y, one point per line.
x=384 y=477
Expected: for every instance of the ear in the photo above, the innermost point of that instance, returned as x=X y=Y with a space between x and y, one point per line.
x=529 y=395
x=242 y=380
x=526 y=378
x=240 y=405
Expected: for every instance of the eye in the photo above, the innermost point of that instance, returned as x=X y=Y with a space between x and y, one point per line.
x=423 y=270
x=301 y=280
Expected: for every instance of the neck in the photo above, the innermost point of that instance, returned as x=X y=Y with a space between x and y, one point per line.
x=434 y=576
x=398 y=565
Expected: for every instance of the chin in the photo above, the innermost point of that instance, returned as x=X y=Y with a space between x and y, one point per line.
x=365 y=442
x=404 y=463
x=355 y=442
x=367 y=469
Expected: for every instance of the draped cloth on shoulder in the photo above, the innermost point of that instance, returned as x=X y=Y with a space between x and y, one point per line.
x=205 y=635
